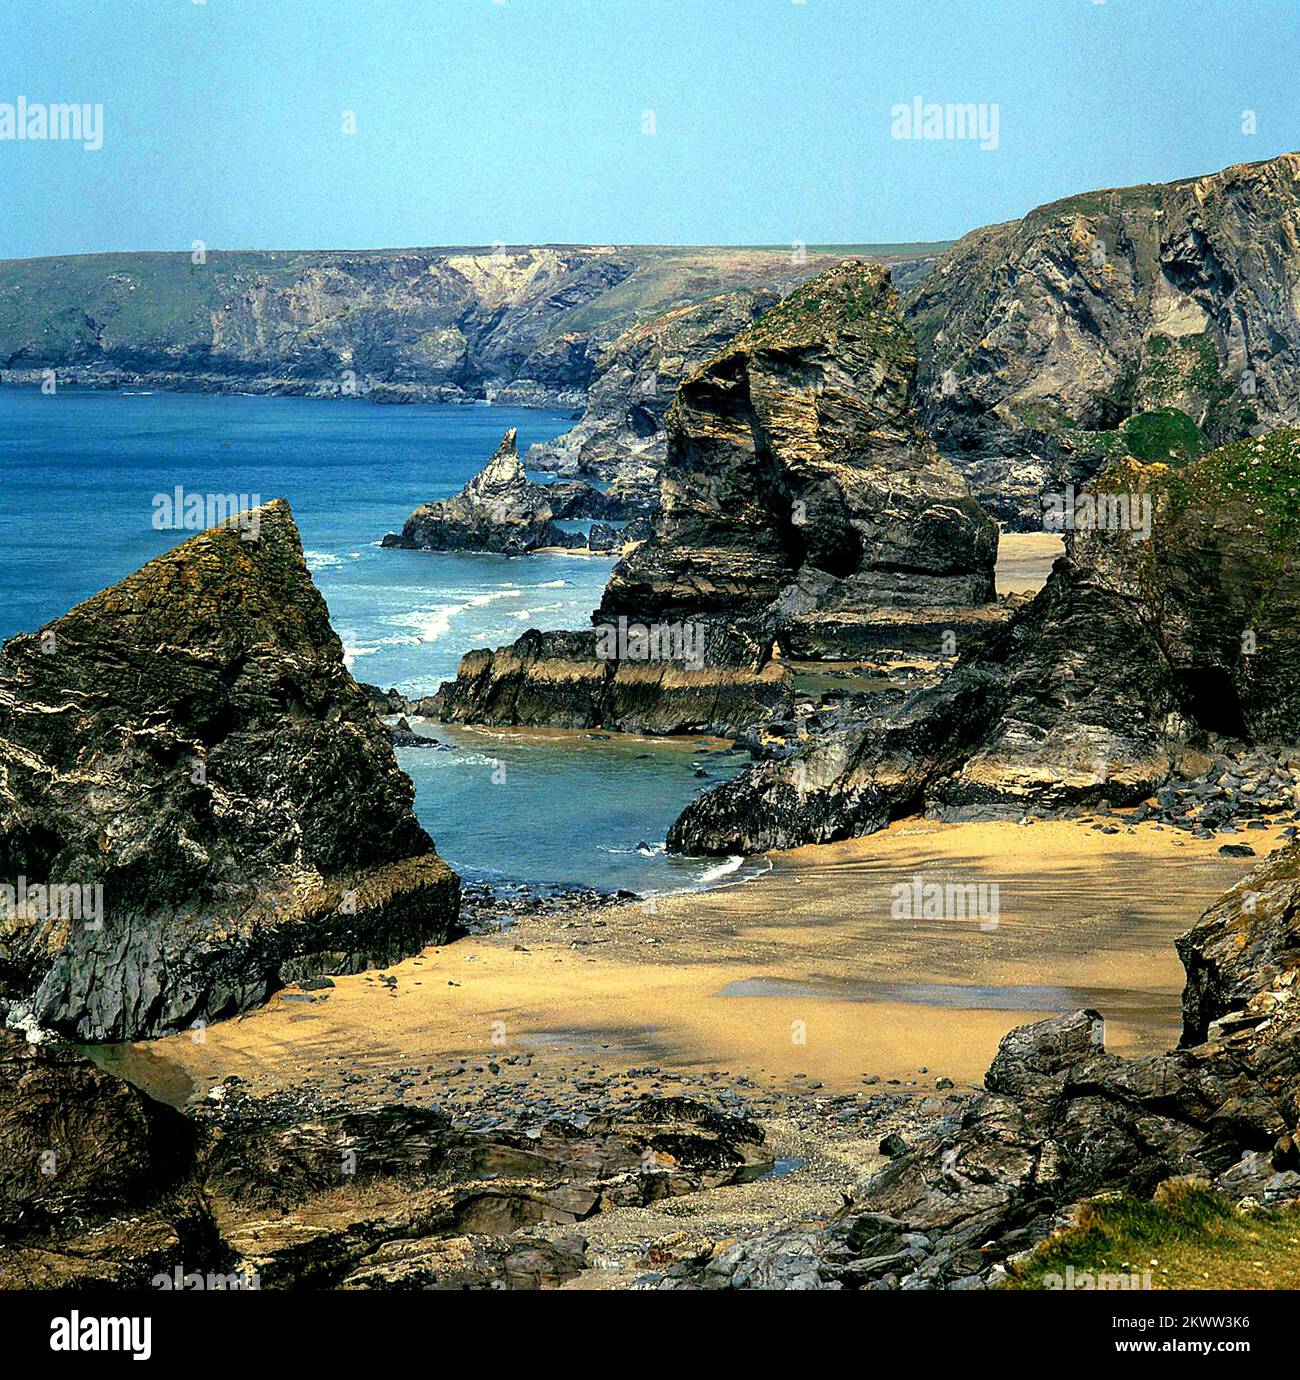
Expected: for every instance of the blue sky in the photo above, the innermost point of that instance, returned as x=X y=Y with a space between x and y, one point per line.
x=525 y=121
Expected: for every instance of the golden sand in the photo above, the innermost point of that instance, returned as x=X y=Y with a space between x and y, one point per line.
x=805 y=971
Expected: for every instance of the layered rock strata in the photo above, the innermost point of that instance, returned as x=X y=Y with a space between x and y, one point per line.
x=800 y=489
x=1148 y=637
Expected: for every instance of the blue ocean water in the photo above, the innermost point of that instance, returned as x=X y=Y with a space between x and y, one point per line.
x=79 y=472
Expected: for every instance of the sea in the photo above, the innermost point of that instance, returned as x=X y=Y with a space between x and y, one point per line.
x=81 y=473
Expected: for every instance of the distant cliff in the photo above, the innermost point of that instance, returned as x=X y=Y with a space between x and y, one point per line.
x=1154 y=321
x=505 y=324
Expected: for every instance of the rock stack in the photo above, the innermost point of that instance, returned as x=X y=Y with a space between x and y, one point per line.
x=197 y=802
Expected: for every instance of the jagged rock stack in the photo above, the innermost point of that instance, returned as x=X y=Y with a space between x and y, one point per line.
x=801 y=490
x=209 y=798
x=803 y=510
x=1137 y=648
x=501 y=510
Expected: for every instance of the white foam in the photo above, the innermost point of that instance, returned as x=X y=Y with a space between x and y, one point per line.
x=715 y=874
x=321 y=560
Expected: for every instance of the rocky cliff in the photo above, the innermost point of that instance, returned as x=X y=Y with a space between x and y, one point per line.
x=621 y=434
x=197 y=802
x=800 y=486
x=1147 y=637
x=1131 y=320
x=519 y=325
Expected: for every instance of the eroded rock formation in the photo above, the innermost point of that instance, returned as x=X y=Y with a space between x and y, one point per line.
x=621 y=433
x=101 y=1185
x=197 y=802
x=1131 y=321
x=1134 y=648
x=801 y=489
x=502 y=510
x=717 y=680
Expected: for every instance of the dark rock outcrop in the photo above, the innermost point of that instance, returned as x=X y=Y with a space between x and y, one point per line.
x=1062 y=1120
x=1121 y=321
x=719 y=681
x=96 y=1178
x=502 y=510
x=803 y=510
x=101 y=1185
x=801 y=489
x=1134 y=648
x=188 y=767
x=77 y=1144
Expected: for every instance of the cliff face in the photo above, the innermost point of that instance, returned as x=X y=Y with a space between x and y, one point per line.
x=510 y=324
x=621 y=434
x=798 y=470
x=1137 y=645
x=1174 y=304
x=188 y=766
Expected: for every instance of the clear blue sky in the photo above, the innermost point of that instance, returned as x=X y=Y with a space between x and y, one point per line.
x=522 y=121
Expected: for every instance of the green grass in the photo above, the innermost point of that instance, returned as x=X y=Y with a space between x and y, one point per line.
x=1188 y=1237
x=1257 y=479
x=1165 y=434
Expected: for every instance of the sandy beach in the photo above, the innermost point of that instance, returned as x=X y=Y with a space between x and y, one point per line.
x=802 y=977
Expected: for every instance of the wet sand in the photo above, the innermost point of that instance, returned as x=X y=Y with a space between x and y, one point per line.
x=802 y=977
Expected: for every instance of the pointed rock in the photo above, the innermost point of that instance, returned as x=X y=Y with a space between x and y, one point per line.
x=197 y=801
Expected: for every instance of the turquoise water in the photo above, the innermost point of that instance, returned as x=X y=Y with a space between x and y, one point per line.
x=78 y=476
